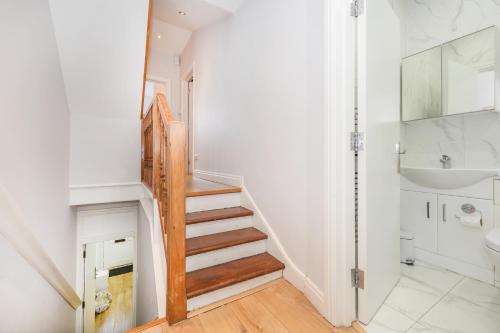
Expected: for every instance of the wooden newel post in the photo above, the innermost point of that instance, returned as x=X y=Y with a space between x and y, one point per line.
x=176 y=221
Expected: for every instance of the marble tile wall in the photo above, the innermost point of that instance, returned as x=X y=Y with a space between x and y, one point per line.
x=428 y=23
x=471 y=140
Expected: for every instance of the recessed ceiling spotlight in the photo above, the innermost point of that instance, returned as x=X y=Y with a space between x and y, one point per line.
x=159 y=36
x=183 y=13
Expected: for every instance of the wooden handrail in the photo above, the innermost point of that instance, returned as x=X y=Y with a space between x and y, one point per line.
x=19 y=235
x=163 y=171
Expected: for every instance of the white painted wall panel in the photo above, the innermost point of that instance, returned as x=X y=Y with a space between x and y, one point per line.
x=147 y=307
x=102 y=48
x=34 y=144
x=259 y=114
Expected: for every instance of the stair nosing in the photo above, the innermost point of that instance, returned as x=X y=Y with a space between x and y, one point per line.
x=219 y=246
x=221 y=217
x=203 y=193
x=247 y=277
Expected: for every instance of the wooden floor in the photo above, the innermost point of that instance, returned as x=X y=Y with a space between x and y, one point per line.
x=118 y=318
x=198 y=187
x=279 y=308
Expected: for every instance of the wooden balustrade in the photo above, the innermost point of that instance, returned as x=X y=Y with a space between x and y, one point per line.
x=163 y=171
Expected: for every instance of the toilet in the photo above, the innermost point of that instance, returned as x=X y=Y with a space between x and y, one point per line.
x=492 y=241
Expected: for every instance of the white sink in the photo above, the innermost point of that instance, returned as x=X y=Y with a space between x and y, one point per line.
x=447 y=179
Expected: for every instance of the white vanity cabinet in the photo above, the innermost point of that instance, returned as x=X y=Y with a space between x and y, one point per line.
x=459 y=241
x=419 y=216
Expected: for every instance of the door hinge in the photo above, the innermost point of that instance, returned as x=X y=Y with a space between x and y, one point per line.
x=83 y=305
x=358 y=278
x=357 y=141
x=357 y=7
x=84 y=254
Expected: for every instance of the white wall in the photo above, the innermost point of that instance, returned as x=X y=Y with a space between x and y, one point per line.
x=147 y=307
x=102 y=48
x=163 y=66
x=34 y=143
x=259 y=114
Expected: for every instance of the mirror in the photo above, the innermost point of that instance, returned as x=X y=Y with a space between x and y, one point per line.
x=469 y=73
x=453 y=78
x=421 y=85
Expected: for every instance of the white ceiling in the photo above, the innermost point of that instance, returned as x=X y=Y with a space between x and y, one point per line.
x=200 y=13
x=172 y=39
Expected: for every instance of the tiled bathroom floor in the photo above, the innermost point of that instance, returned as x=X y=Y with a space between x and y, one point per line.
x=429 y=299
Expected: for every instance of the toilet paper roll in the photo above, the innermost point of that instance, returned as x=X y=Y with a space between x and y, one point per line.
x=474 y=220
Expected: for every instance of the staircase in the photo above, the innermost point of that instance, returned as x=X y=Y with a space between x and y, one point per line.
x=212 y=249
x=225 y=253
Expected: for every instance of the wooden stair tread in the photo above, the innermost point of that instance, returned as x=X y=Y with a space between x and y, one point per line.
x=217 y=214
x=202 y=244
x=216 y=277
x=196 y=187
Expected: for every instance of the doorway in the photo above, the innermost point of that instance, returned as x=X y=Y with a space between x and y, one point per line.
x=153 y=85
x=188 y=116
x=108 y=286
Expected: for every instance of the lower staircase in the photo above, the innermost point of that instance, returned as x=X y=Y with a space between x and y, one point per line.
x=225 y=254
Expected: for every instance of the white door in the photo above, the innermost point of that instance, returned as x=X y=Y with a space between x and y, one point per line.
x=379 y=199
x=190 y=138
x=118 y=253
x=419 y=216
x=89 y=290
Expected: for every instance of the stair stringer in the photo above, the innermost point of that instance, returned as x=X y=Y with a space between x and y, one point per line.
x=274 y=246
x=151 y=210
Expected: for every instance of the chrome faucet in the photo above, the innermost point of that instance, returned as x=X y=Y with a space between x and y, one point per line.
x=445 y=161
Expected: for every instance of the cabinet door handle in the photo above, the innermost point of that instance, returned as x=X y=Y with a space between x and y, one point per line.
x=428 y=210
x=444 y=212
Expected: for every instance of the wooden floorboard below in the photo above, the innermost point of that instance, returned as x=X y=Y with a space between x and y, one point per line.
x=279 y=308
x=118 y=318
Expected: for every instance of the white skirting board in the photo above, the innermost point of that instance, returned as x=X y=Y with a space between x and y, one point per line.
x=457 y=266
x=315 y=296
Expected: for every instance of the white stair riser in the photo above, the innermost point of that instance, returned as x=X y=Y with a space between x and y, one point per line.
x=210 y=202
x=221 y=256
x=213 y=227
x=218 y=295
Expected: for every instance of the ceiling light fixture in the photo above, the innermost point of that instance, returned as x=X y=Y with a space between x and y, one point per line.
x=159 y=36
x=180 y=12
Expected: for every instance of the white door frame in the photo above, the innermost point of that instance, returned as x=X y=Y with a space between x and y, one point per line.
x=167 y=83
x=339 y=162
x=189 y=74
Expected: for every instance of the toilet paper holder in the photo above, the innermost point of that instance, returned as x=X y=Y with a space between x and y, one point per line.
x=470 y=209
